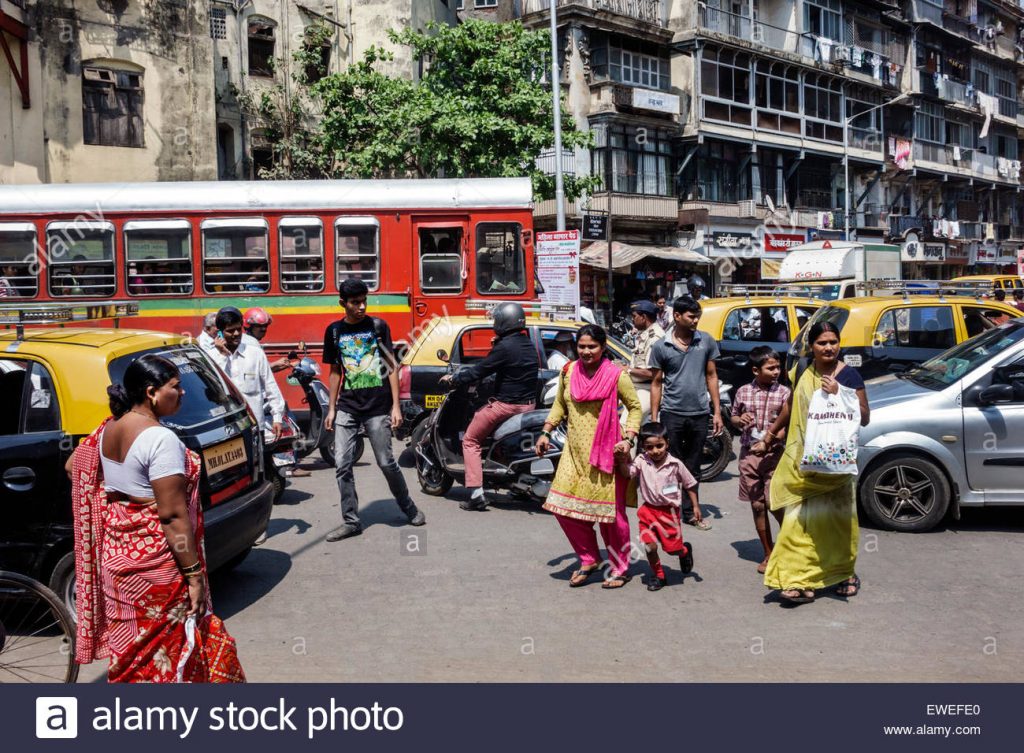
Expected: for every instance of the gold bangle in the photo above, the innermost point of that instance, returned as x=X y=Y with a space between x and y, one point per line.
x=197 y=574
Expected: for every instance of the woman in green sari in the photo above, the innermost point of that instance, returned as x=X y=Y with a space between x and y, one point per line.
x=817 y=542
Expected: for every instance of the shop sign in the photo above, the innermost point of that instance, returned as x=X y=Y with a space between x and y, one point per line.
x=987 y=253
x=595 y=227
x=933 y=252
x=957 y=251
x=646 y=99
x=911 y=248
x=733 y=244
x=782 y=241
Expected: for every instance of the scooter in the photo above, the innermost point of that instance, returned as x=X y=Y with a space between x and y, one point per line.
x=306 y=374
x=278 y=454
x=509 y=462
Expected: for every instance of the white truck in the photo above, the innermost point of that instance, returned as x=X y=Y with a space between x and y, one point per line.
x=830 y=270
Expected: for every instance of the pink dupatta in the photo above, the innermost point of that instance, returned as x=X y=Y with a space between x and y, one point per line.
x=603 y=385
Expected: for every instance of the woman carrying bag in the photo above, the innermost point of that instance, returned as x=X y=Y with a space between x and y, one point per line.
x=815 y=483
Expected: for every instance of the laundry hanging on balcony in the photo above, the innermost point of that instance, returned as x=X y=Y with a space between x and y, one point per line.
x=899 y=150
x=989 y=106
x=823 y=46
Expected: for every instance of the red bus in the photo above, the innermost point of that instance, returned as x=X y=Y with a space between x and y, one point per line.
x=424 y=248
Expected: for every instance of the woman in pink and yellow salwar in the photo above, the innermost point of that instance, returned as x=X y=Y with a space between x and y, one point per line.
x=586 y=489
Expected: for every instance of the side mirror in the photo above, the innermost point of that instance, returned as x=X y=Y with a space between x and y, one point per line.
x=442 y=355
x=996 y=394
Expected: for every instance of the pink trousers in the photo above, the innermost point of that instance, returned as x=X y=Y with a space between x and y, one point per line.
x=583 y=539
x=487 y=419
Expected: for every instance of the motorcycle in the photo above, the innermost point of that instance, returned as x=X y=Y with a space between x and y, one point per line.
x=509 y=462
x=306 y=374
x=622 y=329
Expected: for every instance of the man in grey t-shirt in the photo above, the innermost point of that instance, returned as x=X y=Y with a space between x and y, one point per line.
x=684 y=393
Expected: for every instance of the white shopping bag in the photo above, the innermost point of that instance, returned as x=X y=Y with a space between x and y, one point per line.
x=833 y=425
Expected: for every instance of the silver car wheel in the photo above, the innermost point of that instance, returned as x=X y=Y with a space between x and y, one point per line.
x=904 y=494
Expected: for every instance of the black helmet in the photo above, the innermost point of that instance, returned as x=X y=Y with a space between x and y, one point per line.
x=695 y=281
x=509 y=318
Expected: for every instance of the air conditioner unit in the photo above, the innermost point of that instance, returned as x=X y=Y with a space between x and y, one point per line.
x=748 y=208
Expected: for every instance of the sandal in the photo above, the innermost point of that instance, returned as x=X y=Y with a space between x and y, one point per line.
x=848 y=588
x=656 y=584
x=763 y=566
x=796 y=596
x=581 y=576
x=616 y=581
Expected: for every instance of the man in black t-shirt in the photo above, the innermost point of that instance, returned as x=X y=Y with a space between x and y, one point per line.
x=363 y=392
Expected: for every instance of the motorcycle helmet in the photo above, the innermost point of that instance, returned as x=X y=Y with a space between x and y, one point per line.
x=258 y=317
x=696 y=282
x=509 y=318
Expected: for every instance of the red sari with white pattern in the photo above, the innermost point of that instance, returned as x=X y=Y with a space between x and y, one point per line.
x=131 y=597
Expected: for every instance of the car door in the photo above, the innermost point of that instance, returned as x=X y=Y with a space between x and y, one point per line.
x=994 y=438
x=34 y=496
x=746 y=328
x=905 y=336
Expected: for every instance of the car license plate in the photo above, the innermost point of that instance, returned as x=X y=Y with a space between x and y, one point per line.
x=433 y=401
x=225 y=455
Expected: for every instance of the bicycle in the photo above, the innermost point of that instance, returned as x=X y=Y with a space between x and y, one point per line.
x=37 y=633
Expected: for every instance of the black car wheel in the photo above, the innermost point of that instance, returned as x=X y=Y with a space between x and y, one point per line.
x=62 y=582
x=716 y=455
x=434 y=480
x=906 y=493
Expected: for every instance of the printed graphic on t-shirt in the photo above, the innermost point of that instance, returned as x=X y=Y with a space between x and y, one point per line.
x=361 y=360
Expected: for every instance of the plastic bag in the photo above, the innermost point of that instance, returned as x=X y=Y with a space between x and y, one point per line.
x=833 y=427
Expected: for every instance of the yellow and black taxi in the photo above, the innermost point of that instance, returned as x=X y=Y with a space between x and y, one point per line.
x=54 y=382
x=741 y=323
x=1009 y=283
x=465 y=339
x=889 y=333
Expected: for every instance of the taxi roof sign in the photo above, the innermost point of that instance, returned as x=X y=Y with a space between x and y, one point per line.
x=20 y=314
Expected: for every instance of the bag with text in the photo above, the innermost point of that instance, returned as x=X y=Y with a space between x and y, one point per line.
x=833 y=427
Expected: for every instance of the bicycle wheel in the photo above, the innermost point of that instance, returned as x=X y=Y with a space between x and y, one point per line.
x=37 y=634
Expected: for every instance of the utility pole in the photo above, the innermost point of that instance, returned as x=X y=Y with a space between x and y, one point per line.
x=556 y=99
x=611 y=288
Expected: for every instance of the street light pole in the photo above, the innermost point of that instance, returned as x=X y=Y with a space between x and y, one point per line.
x=556 y=99
x=846 y=157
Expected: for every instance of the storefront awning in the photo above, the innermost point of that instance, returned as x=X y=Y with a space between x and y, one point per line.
x=624 y=254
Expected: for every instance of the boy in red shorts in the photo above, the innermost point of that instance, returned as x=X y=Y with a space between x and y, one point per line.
x=756 y=407
x=661 y=481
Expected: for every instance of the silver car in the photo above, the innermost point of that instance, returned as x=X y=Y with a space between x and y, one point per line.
x=947 y=434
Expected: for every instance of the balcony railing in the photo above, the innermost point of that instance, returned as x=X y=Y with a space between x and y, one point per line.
x=984 y=165
x=971 y=231
x=546 y=162
x=742 y=27
x=649 y=11
x=866 y=138
x=927 y=12
x=938 y=153
x=635 y=206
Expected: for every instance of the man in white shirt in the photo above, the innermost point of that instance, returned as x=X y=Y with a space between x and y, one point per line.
x=208 y=336
x=247 y=367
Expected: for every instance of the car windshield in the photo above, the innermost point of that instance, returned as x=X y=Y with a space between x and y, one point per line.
x=831 y=314
x=961 y=360
x=206 y=394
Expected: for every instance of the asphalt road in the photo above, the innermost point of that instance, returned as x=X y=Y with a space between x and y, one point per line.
x=484 y=596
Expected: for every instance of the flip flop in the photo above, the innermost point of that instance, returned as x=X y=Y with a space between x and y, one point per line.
x=848 y=588
x=800 y=598
x=583 y=575
x=616 y=581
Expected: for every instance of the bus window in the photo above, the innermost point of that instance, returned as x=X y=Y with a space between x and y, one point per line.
x=357 y=249
x=235 y=258
x=500 y=268
x=440 y=260
x=158 y=257
x=17 y=260
x=300 y=251
x=81 y=258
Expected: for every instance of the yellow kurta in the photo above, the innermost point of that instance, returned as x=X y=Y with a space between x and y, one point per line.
x=580 y=490
x=817 y=542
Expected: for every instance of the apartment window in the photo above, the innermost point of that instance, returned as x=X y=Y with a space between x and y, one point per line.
x=629 y=61
x=982 y=76
x=631 y=160
x=866 y=123
x=357 y=250
x=300 y=244
x=484 y=4
x=928 y=122
x=823 y=102
x=776 y=92
x=713 y=174
x=158 y=257
x=822 y=19
x=218 y=23
x=725 y=77
x=261 y=47
x=959 y=132
x=112 y=107
x=80 y=260
x=1006 y=146
x=235 y=257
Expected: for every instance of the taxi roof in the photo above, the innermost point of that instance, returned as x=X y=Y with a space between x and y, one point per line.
x=968 y=278
x=714 y=310
x=51 y=340
x=863 y=302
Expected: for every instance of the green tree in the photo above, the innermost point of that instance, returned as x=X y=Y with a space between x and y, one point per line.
x=480 y=109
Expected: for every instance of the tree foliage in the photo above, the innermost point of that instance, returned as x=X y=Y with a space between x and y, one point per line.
x=479 y=109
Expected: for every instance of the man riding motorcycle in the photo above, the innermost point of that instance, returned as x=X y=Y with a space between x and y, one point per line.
x=514 y=361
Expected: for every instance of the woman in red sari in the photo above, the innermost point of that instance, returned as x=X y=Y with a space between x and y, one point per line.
x=141 y=592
